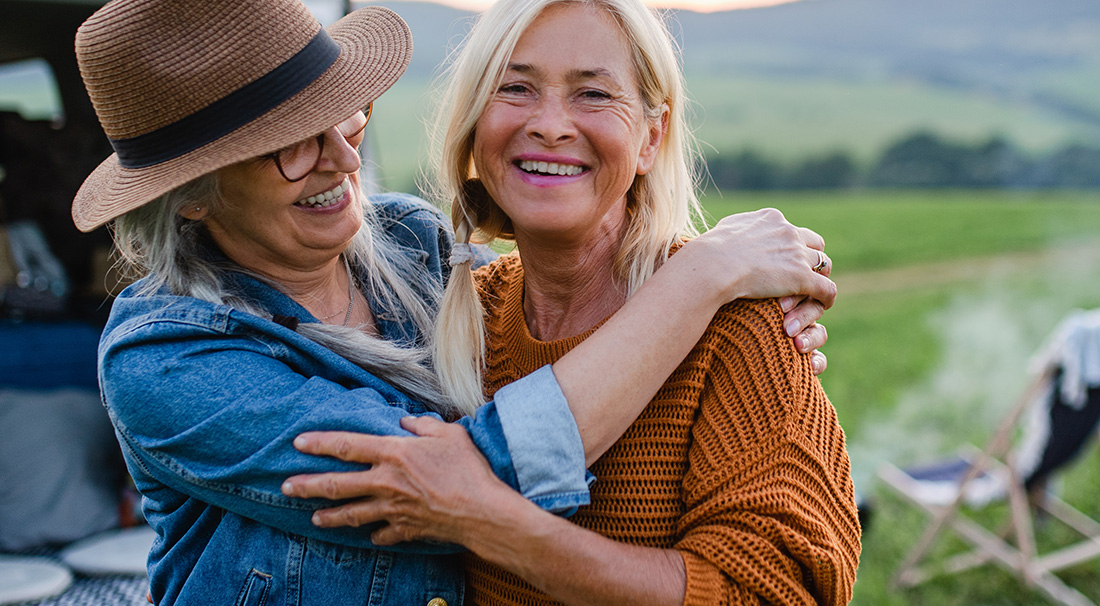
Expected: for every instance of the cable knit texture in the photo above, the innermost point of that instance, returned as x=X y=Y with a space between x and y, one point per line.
x=738 y=463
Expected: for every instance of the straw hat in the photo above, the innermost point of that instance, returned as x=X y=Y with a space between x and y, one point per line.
x=186 y=87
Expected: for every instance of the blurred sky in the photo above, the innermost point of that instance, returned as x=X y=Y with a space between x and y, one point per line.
x=328 y=10
x=702 y=6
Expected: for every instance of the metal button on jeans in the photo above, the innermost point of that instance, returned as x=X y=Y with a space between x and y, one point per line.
x=437 y=602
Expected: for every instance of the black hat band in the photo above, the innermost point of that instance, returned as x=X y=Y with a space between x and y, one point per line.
x=232 y=111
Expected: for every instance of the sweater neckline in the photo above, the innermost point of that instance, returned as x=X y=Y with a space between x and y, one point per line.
x=514 y=326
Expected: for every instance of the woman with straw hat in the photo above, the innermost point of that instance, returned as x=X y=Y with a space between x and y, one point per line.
x=277 y=299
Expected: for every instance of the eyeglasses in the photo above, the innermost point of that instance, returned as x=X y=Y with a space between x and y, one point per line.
x=297 y=161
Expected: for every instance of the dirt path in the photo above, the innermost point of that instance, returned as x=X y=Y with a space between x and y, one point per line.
x=967 y=270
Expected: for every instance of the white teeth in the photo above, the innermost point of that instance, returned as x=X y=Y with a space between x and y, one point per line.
x=550 y=168
x=325 y=199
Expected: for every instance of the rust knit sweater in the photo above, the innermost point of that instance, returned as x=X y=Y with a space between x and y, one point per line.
x=738 y=463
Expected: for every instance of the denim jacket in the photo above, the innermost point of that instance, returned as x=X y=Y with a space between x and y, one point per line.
x=206 y=401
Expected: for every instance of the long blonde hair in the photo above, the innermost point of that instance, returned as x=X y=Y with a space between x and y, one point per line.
x=662 y=205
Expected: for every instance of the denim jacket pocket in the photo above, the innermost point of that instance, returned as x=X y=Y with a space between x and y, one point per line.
x=255 y=588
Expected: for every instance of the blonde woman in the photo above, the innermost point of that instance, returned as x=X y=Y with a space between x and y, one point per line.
x=565 y=132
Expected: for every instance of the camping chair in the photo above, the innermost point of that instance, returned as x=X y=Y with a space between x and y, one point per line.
x=1057 y=414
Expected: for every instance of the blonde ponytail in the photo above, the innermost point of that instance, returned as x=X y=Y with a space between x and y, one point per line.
x=459 y=344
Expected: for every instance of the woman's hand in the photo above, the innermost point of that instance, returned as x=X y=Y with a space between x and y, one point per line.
x=436 y=486
x=760 y=254
x=802 y=312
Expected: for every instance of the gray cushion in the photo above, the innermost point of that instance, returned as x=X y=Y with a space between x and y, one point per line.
x=60 y=467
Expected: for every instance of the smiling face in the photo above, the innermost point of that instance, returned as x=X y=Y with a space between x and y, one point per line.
x=270 y=225
x=565 y=134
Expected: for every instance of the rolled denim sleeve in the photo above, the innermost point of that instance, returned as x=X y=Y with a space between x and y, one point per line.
x=541 y=439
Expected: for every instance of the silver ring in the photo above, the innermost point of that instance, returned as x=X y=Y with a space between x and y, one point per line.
x=822 y=262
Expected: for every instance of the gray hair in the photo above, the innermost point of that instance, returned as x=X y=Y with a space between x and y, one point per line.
x=157 y=241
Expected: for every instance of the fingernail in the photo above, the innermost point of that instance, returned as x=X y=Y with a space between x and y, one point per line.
x=300 y=443
x=316 y=519
x=288 y=488
x=786 y=303
x=816 y=362
x=800 y=343
x=792 y=328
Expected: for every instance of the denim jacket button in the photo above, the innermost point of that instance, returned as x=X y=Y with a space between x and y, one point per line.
x=437 y=602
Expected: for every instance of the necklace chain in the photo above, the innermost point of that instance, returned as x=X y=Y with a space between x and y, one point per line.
x=351 y=296
x=351 y=293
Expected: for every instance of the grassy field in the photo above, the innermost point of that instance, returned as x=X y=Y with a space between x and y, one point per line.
x=943 y=298
x=875 y=230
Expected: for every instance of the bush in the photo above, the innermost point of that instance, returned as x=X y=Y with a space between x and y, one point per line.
x=922 y=160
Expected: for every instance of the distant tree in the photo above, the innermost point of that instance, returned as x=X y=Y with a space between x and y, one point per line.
x=833 y=171
x=746 y=170
x=921 y=160
x=997 y=163
x=1075 y=166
